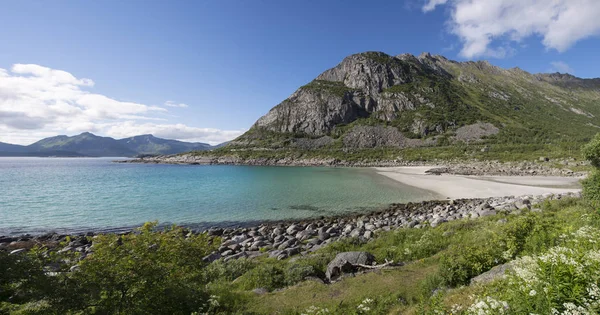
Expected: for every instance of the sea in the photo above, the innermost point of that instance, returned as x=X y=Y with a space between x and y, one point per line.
x=77 y=195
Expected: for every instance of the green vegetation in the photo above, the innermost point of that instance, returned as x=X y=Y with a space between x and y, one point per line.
x=440 y=103
x=161 y=272
x=461 y=151
x=591 y=185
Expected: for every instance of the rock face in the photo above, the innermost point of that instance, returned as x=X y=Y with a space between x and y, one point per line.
x=345 y=262
x=425 y=97
x=340 y=95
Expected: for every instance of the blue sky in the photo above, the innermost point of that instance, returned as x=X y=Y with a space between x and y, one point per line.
x=220 y=65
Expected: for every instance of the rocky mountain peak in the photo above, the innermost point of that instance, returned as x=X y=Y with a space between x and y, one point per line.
x=420 y=97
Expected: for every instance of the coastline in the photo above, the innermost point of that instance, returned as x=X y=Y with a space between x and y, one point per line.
x=461 y=197
x=473 y=167
x=479 y=186
x=285 y=238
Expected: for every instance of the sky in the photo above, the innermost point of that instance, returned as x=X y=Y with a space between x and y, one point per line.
x=207 y=70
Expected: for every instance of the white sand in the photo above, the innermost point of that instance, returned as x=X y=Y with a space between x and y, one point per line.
x=458 y=186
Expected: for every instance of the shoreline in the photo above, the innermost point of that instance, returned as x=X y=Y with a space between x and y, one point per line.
x=474 y=167
x=285 y=238
x=444 y=186
x=462 y=197
x=453 y=186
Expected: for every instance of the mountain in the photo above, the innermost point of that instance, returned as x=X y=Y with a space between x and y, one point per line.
x=13 y=148
x=373 y=100
x=88 y=144
x=148 y=144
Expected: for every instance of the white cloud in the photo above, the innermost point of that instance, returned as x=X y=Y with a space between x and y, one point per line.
x=562 y=67
x=172 y=131
x=481 y=24
x=431 y=4
x=175 y=104
x=37 y=102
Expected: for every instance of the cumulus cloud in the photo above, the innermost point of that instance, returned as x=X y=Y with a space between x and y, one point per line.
x=431 y=4
x=173 y=131
x=562 y=67
x=482 y=24
x=175 y=104
x=37 y=101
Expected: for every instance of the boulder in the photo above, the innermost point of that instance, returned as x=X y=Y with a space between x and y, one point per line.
x=346 y=262
x=493 y=273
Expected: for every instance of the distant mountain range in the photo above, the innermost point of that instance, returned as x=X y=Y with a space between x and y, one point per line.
x=87 y=144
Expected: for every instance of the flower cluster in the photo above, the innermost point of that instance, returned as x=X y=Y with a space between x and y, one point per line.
x=488 y=306
x=365 y=306
x=313 y=310
x=532 y=283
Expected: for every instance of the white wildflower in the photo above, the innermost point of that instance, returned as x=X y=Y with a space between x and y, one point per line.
x=532 y=293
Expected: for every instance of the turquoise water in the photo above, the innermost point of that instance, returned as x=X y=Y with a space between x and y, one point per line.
x=71 y=195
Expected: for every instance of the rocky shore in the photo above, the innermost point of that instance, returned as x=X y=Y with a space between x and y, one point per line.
x=284 y=239
x=194 y=159
x=543 y=167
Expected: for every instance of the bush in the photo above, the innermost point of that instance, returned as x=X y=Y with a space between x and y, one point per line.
x=462 y=263
x=591 y=186
x=564 y=280
x=591 y=151
x=268 y=276
x=143 y=273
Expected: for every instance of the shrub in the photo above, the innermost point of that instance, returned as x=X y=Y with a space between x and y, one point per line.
x=591 y=186
x=142 y=273
x=591 y=151
x=561 y=281
x=266 y=275
x=462 y=262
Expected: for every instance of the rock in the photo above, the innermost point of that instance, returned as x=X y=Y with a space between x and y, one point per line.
x=368 y=234
x=486 y=213
x=343 y=263
x=17 y=251
x=292 y=229
x=370 y=227
x=356 y=233
x=227 y=253
x=259 y=244
x=238 y=239
x=293 y=251
x=211 y=257
x=324 y=236
x=260 y=291
x=287 y=244
x=277 y=231
x=492 y=274
x=437 y=221
x=65 y=249
x=236 y=256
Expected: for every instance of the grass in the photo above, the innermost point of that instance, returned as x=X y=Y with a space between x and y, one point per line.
x=398 y=285
x=409 y=289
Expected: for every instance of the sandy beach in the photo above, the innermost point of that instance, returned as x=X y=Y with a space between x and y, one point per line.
x=459 y=186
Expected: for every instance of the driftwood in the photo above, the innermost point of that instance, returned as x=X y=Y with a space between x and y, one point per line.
x=386 y=264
